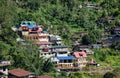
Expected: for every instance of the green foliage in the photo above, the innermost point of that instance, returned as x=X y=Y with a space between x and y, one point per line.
x=91 y=37
x=107 y=57
x=109 y=75
x=116 y=45
x=77 y=75
x=4 y=49
x=8 y=36
x=116 y=71
x=8 y=13
x=66 y=17
x=28 y=55
x=69 y=15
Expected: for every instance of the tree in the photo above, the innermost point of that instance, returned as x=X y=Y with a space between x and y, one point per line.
x=109 y=75
x=116 y=45
x=7 y=20
x=8 y=13
x=27 y=57
x=91 y=37
x=4 y=51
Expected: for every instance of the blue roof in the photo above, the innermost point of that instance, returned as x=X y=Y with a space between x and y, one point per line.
x=29 y=24
x=54 y=59
x=65 y=57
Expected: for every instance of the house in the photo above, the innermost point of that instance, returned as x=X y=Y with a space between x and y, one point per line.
x=37 y=36
x=97 y=46
x=65 y=62
x=93 y=62
x=4 y=69
x=45 y=76
x=60 y=50
x=87 y=50
x=43 y=37
x=20 y=73
x=116 y=30
x=80 y=59
x=80 y=46
x=55 y=60
x=31 y=36
x=90 y=5
x=44 y=44
x=106 y=42
x=27 y=24
x=84 y=46
x=57 y=40
x=45 y=48
x=115 y=38
x=46 y=52
x=50 y=50
x=30 y=26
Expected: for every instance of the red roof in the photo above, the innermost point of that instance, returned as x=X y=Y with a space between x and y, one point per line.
x=45 y=76
x=19 y=72
x=80 y=54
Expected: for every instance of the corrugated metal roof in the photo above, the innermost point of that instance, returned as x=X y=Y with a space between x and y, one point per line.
x=80 y=54
x=29 y=24
x=19 y=72
x=65 y=57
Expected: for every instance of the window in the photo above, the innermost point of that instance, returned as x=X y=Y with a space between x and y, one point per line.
x=69 y=61
x=4 y=68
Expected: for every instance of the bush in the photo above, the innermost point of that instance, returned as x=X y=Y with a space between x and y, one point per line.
x=109 y=75
x=116 y=45
x=77 y=75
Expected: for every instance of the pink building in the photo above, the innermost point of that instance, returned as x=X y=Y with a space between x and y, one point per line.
x=80 y=59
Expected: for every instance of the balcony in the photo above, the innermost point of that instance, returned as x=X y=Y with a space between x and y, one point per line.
x=43 y=34
x=5 y=63
x=65 y=65
x=47 y=54
x=82 y=62
x=60 y=50
x=43 y=39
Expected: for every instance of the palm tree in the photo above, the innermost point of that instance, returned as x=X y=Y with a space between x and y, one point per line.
x=32 y=61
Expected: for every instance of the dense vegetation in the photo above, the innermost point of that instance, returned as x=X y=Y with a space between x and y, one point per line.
x=62 y=17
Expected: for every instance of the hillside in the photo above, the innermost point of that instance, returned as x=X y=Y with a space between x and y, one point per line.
x=84 y=22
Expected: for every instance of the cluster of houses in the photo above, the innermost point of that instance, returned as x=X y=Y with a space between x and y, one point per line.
x=51 y=45
x=114 y=36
